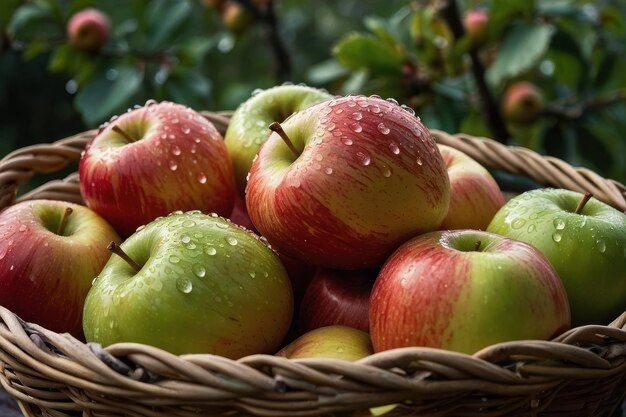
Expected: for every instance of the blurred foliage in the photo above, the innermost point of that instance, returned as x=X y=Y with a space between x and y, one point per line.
x=191 y=52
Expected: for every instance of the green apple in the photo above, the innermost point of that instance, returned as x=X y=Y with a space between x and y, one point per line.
x=586 y=245
x=200 y=285
x=249 y=126
x=338 y=342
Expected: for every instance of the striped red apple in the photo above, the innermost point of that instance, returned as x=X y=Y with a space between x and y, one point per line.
x=463 y=290
x=343 y=183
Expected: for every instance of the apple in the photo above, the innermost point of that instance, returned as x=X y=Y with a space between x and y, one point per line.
x=337 y=342
x=584 y=240
x=343 y=183
x=236 y=17
x=522 y=103
x=476 y=23
x=475 y=196
x=336 y=297
x=88 y=30
x=249 y=125
x=200 y=284
x=154 y=160
x=463 y=290
x=240 y=217
x=49 y=253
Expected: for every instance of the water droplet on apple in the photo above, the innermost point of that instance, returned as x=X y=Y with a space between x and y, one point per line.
x=583 y=220
x=386 y=172
x=556 y=236
x=173 y=165
x=199 y=270
x=375 y=108
x=331 y=126
x=184 y=285
x=140 y=228
x=189 y=223
x=601 y=245
x=408 y=109
x=231 y=240
x=419 y=161
x=356 y=127
x=164 y=136
x=22 y=228
x=174 y=259
x=317 y=166
x=185 y=129
x=339 y=110
x=559 y=224
x=319 y=157
x=383 y=129
x=363 y=157
x=185 y=239
x=171 y=136
x=221 y=225
x=257 y=91
x=394 y=148
x=392 y=101
x=532 y=228
x=210 y=251
x=518 y=223
x=202 y=178
x=357 y=115
x=362 y=102
x=328 y=170
x=252 y=274
x=404 y=283
x=346 y=140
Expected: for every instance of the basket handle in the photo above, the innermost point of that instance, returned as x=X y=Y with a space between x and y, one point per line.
x=19 y=166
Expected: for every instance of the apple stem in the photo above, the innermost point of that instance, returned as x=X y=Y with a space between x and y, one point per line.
x=119 y=130
x=276 y=127
x=582 y=203
x=477 y=245
x=119 y=252
x=66 y=215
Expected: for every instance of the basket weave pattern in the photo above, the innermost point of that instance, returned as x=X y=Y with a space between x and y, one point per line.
x=581 y=373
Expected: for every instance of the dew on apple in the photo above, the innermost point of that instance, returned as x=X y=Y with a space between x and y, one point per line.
x=172 y=164
x=231 y=240
x=419 y=161
x=394 y=148
x=556 y=236
x=518 y=223
x=559 y=224
x=202 y=178
x=184 y=285
x=185 y=129
x=339 y=111
x=408 y=109
x=346 y=140
x=199 y=270
x=189 y=223
x=328 y=170
x=375 y=108
x=210 y=251
x=356 y=127
x=393 y=101
x=601 y=245
x=383 y=129
x=185 y=239
x=22 y=228
x=222 y=225
x=357 y=115
x=532 y=228
x=363 y=157
x=386 y=171
x=174 y=259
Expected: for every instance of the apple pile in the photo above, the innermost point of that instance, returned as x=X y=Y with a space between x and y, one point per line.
x=320 y=226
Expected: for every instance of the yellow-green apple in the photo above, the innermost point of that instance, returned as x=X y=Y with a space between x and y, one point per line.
x=50 y=251
x=88 y=30
x=337 y=342
x=584 y=240
x=336 y=297
x=152 y=161
x=199 y=284
x=343 y=183
x=463 y=290
x=475 y=196
x=476 y=25
x=249 y=126
x=522 y=103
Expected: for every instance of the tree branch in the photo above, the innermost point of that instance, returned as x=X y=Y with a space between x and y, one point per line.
x=267 y=17
x=450 y=13
x=577 y=112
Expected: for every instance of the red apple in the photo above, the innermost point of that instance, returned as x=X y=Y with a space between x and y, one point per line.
x=476 y=25
x=47 y=263
x=337 y=342
x=522 y=103
x=464 y=290
x=359 y=176
x=475 y=196
x=155 y=160
x=88 y=30
x=240 y=217
x=337 y=297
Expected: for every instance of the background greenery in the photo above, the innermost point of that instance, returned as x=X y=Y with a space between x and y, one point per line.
x=415 y=52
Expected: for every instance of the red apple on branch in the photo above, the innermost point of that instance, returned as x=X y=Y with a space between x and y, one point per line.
x=155 y=160
x=50 y=251
x=343 y=183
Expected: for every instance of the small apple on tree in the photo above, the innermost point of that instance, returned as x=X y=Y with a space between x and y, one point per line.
x=476 y=22
x=522 y=103
x=88 y=30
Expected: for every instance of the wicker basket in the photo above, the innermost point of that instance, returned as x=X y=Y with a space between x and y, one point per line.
x=581 y=373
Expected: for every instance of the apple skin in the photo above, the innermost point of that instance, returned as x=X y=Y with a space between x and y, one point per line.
x=588 y=250
x=44 y=276
x=437 y=291
x=368 y=177
x=337 y=297
x=240 y=217
x=205 y=286
x=336 y=342
x=249 y=126
x=475 y=196
x=88 y=30
x=178 y=161
x=522 y=103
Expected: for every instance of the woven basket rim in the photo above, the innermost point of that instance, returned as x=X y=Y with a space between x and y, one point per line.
x=270 y=385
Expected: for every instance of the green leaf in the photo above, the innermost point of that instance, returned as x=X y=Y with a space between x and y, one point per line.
x=355 y=83
x=108 y=93
x=504 y=12
x=474 y=124
x=165 y=18
x=326 y=72
x=32 y=22
x=522 y=48
x=358 y=51
x=7 y=8
x=189 y=87
x=381 y=29
x=193 y=51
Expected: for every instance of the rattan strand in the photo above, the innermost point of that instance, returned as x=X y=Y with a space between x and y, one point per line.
x=580 y=373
